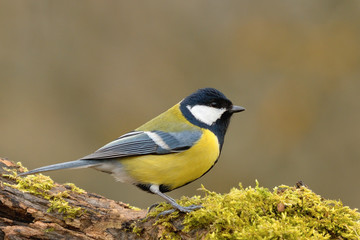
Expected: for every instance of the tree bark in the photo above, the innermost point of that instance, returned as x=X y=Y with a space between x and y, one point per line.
x=26 y=216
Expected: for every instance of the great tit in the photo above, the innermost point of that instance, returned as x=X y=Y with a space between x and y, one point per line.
x=170 y=151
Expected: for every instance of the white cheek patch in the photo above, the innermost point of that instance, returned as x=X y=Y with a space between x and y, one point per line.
x=206 y=114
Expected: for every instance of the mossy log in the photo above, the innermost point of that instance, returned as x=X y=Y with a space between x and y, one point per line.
x=24 y=215
x=34 y=207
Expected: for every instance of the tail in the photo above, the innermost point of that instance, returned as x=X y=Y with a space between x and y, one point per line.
x=66 y=165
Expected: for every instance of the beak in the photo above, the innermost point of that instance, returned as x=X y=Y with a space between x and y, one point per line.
x=235 y=109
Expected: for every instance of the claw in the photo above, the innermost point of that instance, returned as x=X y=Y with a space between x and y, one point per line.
x=181 y=209
x=151 y=207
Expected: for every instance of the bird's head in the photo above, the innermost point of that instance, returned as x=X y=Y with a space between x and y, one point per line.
x=209 y=108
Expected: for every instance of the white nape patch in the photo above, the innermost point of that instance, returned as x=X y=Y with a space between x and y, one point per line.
x=206 y=114
x=158 y=140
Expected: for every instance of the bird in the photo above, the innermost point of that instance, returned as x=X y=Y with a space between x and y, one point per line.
x=171 y=150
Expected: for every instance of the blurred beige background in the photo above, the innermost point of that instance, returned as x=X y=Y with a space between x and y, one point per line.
x=75 y=75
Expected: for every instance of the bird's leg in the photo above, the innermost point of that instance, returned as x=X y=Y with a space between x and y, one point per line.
x=155 y=189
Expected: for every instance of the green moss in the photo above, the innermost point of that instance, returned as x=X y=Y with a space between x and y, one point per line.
x=134 y=208
x=258 y=213
x=137 y=230
x=62 y=206
x=41 y=185
x=49 y=230
x=21 y=167
x=35 y=184
x=75 y=188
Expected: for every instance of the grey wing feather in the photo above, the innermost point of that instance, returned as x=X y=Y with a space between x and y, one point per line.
x=140 y=143
x=131 y=144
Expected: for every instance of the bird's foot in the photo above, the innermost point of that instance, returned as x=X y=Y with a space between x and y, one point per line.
x=181 y=209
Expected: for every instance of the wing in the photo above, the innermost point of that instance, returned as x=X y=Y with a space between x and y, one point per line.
x=147 y=142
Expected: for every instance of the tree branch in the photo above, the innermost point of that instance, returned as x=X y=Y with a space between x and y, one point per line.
x=62 y=211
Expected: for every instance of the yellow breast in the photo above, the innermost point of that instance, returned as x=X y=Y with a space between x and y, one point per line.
x=176 y=169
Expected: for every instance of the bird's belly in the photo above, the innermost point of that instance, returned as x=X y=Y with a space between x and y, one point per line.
x=176 y=169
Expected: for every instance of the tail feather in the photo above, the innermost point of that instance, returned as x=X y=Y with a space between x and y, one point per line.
x=66 y=165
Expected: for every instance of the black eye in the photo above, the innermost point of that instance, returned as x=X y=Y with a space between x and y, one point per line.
x=214 y=104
